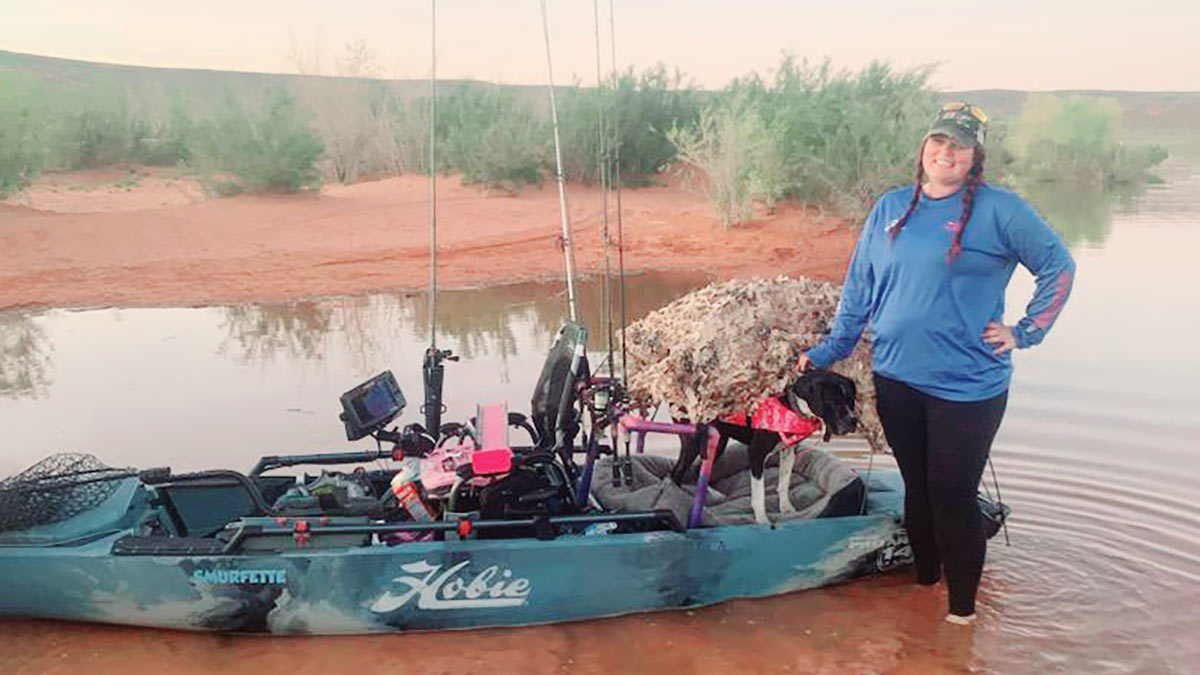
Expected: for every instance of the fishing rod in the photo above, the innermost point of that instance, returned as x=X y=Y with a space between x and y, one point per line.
x=616 y=163
x=616 y=167
x=603 y=169
x=602 y=160
x=432 y=370
x=560 y=178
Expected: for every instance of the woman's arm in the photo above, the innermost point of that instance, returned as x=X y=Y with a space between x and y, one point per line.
x=1040 y=250
x=854 y=308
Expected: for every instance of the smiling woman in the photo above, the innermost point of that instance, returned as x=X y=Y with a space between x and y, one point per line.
x=946 y=163
x=932 y=288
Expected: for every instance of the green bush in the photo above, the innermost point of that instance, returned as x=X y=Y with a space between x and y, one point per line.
x=407 y=124
x=1076 y=138
x=98 y=124
x=93 y=126
x=848 y=136
x=492 y=138
x=22 y=115
x=637 y=114
x=832 y=138
x=99 y=137
x=737 y=154
x=166 y=143
x=266 y=150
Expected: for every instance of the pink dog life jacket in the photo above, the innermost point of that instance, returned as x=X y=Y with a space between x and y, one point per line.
x=773 y=415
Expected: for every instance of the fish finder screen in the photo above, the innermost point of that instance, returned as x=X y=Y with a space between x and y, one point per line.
x=371 y=405
x=374 y=403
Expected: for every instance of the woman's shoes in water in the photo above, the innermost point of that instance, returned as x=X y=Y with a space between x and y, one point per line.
x=960 y=620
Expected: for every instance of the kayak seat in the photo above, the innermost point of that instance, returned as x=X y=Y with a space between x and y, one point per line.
x=201 y=504
x=552 y=406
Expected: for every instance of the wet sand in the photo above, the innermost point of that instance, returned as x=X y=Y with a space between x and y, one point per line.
x=123 y=239
x=882 y=625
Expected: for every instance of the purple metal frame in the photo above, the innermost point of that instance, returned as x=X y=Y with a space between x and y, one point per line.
x=614 y=416
x=633 y=424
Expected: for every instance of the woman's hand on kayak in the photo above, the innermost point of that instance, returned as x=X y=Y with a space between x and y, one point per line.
x=1000 y=337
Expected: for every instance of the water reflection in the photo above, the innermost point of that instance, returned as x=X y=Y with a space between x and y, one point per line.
x=1083 y=214
x=479 y=322
x=263 y=332
x=25 y=366
x=477 y=317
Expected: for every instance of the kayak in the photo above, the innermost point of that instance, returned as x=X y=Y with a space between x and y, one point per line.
x=347 y=574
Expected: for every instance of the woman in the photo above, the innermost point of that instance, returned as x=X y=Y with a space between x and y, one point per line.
x=929 y=273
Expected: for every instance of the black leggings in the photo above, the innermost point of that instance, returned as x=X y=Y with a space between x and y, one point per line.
x=942 y=447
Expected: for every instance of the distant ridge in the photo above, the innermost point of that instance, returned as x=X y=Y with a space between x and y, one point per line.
x=54 y=70
x=1174 y=110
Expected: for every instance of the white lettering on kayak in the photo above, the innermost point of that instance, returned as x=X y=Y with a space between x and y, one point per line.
x=237 y=577
x=451 y=590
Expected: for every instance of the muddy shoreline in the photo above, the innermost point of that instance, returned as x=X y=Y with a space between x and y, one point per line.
x=75 y=240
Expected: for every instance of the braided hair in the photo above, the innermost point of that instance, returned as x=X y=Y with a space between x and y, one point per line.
x=973 y=181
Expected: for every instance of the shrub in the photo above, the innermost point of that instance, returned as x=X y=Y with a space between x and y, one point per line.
x=407 y=125
x=21 y=133
x=266 y=150
x=105 y=123
x=846 y=136
x=732 y=146
x=492 y=138
x=1076 y=139
x=165 y=143
x=638 y=111
x=95 y=126
x=837 y=139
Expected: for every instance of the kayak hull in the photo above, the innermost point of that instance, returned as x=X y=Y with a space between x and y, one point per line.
x=439 y=585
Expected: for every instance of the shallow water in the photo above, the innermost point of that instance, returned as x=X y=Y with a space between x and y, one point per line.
x=1096 y=457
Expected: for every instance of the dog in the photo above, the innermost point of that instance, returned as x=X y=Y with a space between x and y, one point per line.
x=823 y=399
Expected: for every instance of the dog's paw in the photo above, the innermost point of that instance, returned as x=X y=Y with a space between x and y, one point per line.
x=785 y=507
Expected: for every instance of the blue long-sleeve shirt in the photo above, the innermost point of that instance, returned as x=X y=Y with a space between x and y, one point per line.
x=927 y=315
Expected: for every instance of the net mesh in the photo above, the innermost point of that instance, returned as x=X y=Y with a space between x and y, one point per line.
x=57 y=488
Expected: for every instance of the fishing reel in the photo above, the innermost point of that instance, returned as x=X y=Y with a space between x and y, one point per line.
x=603 y=397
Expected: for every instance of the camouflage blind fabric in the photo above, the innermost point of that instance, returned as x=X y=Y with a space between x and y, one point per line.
x=722 y=349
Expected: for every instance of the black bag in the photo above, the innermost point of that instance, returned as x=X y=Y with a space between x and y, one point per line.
x=533 y=489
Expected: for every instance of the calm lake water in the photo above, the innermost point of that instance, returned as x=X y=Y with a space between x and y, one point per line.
x=1097 y=457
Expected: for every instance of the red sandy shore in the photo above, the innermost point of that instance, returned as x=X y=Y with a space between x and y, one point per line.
x=83 y=240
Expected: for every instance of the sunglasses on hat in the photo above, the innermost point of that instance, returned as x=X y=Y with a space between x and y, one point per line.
x=959 y=106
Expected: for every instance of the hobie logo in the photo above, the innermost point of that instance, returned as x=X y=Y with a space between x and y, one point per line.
x=435 y=589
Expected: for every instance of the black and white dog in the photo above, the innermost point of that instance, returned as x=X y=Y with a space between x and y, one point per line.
x=819 y=393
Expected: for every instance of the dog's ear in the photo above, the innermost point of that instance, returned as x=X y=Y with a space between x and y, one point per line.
x=849 y=390
x=826 y=406
x=803 y=386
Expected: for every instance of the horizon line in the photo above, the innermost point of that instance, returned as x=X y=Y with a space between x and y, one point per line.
x=540 y=84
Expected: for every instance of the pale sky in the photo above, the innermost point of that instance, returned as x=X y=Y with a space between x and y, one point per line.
x=1013 y=44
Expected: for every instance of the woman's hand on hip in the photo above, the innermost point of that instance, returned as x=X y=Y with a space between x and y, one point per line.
x=1000 y=337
